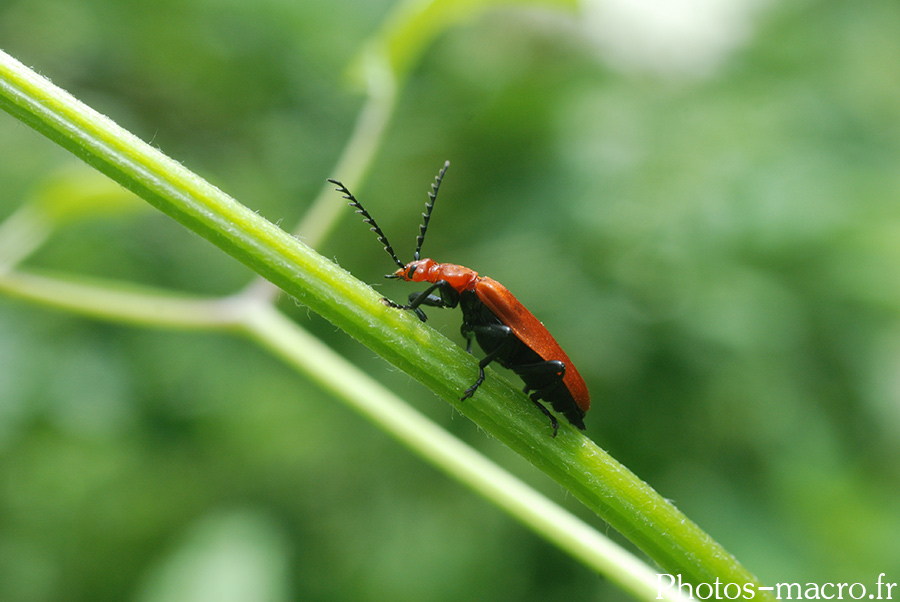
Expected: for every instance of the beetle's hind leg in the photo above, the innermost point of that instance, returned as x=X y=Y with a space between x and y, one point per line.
x=549 y=374
x=553 y=421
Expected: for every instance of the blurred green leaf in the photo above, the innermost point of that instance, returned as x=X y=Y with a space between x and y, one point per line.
x=237 y=556
x=413 y=26
x=78 y=192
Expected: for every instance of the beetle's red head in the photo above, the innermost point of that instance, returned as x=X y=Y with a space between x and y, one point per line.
x=414 y=271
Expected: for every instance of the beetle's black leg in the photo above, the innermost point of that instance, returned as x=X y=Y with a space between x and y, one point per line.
x=429 y=300
x=469 y=345
x=497 y=330
x=448 y=298
x=550 y=371
x=548 y=367
x=468 y=333
x=419 y=313
x=481 y=366
x=553 y=422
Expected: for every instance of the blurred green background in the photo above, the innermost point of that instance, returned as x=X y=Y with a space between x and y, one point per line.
x=700 y=200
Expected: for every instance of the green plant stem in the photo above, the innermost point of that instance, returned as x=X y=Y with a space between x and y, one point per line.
x=262 y=323
x=605 y=486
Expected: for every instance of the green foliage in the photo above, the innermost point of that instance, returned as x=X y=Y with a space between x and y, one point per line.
x=719 y=254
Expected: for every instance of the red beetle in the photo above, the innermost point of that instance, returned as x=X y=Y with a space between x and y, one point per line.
x=508 y=333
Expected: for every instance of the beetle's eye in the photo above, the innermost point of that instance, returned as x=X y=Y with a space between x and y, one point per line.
x=412 y=270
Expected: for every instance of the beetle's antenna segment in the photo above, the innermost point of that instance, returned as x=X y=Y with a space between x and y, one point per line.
x=369 y=220
x=429 y=207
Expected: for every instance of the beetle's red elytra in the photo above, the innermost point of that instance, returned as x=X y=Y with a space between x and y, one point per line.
x=506 y=331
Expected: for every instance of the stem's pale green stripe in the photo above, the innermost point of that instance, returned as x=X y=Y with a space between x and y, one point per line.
x=605 y=486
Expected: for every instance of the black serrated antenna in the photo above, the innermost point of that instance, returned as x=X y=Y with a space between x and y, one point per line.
x=429 y=207
x=369 y=220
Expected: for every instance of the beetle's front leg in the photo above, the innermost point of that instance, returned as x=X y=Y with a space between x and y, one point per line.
x=447 y=297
